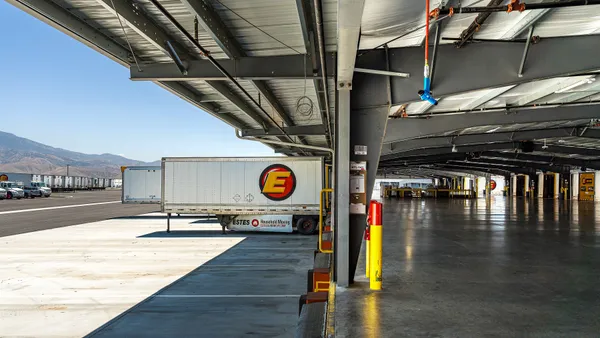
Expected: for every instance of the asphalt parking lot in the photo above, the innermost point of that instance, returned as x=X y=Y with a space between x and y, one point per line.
x=64 y=209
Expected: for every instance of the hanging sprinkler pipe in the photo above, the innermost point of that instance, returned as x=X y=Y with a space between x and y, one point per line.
x=426 y=94
x=515 y=5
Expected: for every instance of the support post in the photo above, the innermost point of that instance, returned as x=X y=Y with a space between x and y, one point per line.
x=540 y=187
x=556 y=186
x=526 y=51
x=168 y=222
x=342 y=190
x=513 y=185
x=526 y=187
x=368 y=121
x=575 y=186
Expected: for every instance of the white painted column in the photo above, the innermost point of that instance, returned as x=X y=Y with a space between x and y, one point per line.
x=513 y=185
x=575 y=186
x=480 y=186
x=596 y=186
x=540 y=185
x=556 y=186
x=526 y=187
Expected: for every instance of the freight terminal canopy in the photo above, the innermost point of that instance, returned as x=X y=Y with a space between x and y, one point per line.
x=494 y=92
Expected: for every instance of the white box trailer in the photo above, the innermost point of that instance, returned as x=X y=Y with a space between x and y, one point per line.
x=141 y=184
x=249 y=194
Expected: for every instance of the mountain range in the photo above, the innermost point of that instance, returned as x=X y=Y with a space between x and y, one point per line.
x=21 y=155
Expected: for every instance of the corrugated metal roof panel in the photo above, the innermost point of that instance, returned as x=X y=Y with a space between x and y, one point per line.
x=279 y=19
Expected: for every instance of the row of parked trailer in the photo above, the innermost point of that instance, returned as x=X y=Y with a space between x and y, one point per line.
x=60 y=182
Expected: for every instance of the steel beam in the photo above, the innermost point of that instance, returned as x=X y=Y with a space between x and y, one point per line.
x=544 y=159
x=488 y=167
x=537 y=147
x=317 y=129
x=216 y=28
x=526 y=20
x=460 y=140
x=517 y=164
x=420 y=160
x=448 y=150
x=467 y=69
x=349 y=18
x=485 y=170
x=281 y=67
x=409 y=128
x=135 y=18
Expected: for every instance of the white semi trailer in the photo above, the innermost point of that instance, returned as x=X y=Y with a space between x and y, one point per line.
x=276 y=194
x=141 y=184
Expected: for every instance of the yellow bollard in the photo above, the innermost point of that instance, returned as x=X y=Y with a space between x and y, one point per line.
x=367 y=263
x=376 y=252
x=375 y=245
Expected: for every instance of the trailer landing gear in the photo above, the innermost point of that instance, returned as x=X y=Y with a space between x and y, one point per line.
x=168 y=222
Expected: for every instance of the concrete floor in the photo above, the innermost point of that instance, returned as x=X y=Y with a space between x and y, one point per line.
x=64 y=209
x=464 y=268
x=126 y=277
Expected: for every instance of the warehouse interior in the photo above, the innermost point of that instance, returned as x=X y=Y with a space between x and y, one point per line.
x=465 y=91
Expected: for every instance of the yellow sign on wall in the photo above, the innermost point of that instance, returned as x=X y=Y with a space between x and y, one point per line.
x=586 y=187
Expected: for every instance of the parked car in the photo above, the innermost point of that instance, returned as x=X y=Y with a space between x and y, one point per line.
x=2 y=193
x=33 y=192
x=13 y=190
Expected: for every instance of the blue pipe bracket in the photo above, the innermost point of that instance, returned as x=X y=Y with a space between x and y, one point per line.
x=426 y=94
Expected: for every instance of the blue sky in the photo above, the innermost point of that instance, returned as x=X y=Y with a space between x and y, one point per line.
x=57 y=91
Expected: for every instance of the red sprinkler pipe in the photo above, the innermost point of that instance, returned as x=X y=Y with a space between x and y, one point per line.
x=425 y=94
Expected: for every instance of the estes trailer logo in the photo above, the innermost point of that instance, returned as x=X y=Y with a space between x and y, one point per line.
x=277 y=182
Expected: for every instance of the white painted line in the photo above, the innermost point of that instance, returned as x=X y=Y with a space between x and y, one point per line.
x=225 y=296
x=60 y=298
x=59 y=207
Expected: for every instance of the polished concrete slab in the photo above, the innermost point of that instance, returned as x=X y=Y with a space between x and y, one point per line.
x=467 y=268
x=127 y=277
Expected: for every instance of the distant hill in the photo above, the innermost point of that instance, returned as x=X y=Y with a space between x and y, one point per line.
x=21 y=155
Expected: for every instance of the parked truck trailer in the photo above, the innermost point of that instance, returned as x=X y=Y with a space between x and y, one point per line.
x=141 y=184
x=277 y=194
x=29 y=181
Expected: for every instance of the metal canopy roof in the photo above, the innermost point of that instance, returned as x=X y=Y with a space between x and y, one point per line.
x=136 y=34
x=400 y=24
x=272 y=50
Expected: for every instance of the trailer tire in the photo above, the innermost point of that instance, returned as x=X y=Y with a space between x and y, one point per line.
x=306 y=225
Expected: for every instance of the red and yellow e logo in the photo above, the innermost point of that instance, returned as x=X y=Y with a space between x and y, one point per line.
x=277 y=182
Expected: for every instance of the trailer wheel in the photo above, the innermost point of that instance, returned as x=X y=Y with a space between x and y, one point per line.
x=306 y=225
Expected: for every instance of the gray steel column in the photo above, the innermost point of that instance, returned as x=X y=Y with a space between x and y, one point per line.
x=342 y=189
x=368 y=121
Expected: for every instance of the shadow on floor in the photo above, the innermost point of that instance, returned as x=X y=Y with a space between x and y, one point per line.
x=250 y=289
x=210 y=233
